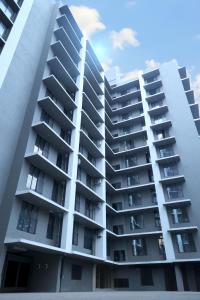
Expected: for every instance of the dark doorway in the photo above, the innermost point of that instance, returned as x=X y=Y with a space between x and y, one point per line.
x=16 y=272
x=103 y=277
x=170 y=278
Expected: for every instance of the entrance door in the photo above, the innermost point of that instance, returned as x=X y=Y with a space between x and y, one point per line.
x=170 y=278
x=103 y=277
x=16 y=272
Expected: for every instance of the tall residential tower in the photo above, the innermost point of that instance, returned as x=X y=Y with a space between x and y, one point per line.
x=99 y=183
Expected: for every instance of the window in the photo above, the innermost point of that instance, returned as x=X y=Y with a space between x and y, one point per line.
x=166 y=151
x=156 y=104
x=50 y=227
x=115 y=150
x=66 y=135
x=139 y=247
x=28 y=218
x=125 y=117
x=116 y=167
x=161 y=246
x=91 y=159
x=62 y=161
x=35 y=179
x=162 y=134
x=130 y=161
x=128 y=144
x=79 y=173
x=88 y=239
x=116 y=185
x=47 y=119
x=117 y=205
x=133 y=180
x=89 y=209
x=115 y=134
x=58 y=192
x=134 y=199
x=154 y=197
x=121 y=283
x=6 y=9
x=157 y=219
x=3 y=30
x=170 y=171
x=150 y=176
x=148 y=158
x=78 y=202
x=41 y=147
x=136 y=222
x=76 y=272
x=126 y=130
x=75 y=234
x=174 y=191
x=119 y=255
x=146 y=276
x=185 y=242
x=179 y=215
x=118 y=229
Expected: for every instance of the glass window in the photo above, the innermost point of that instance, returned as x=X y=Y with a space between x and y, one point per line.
x=75 y=234
x=76 y=272
x=28 y=218
x=35 y=179
x=185 y=242
x=134 y=199
x=46 y=118
x=146 y=276
x=88 y=238
x=117 y=205
x=166 y=151
x=41 y=146
x=174 y=191
x=58 y=192
x=118 y=229
x=50 y=227
x=133 y=180
x=139 y=247
x=161 y=245
x=119 y=255
x=179 y=215
x=62 y=161
x=78 y=202
x=136 y=222
x=157 y=219
x=130 y=161
x=89 y=209
x=170 y=171
x=2 y=29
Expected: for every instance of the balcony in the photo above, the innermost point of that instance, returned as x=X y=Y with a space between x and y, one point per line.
x=87 y=165
x=87 y=192
x=56 y=113
x=133 y=234
x=42 y=163
x=90 y=145
x=124 y=136
x=91 y=127
x=111 y=189
x=92 y=95
x=92 y=79
x=134 y=119
x=64 y=22
x=89 y=107
x=127 y=170
x=127 y=109
x=84 y=220
x=161 y=124
x=38 y=199
x=165 y=141
x=175 y=203
x=172 y=179
x=172 y=158
x=62 y=75
x=128 y=96
x=65 y=58
x=110 y=153
x=157 y=110
x=49 y=135
x=156 y=83
x=62 y=36
x=94 y=68
x=130 y=210
x=155 y=97
x=55 y=87
x=189 y=228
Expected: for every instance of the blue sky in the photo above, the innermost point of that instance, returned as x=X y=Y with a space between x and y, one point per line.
x=159 y=30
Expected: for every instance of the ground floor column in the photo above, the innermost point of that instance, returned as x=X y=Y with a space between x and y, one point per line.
x=179 y=278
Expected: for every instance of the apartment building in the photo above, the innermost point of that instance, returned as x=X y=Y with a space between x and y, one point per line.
x=99 y=184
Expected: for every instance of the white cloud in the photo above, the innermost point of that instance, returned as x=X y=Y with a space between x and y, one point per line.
x=130 y=3
x=196 y=87
x=132 y=75
x=106 y=64
x=88 y=19
x=151 y=64
x=124 y=37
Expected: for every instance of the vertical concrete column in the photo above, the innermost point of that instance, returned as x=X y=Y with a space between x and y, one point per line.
x=170 y=256
x=179 y=278
x=68 y=220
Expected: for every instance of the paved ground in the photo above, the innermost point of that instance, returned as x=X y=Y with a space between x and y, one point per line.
x=108 y=295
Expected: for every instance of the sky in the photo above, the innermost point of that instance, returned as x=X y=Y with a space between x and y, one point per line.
x=139 y=35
